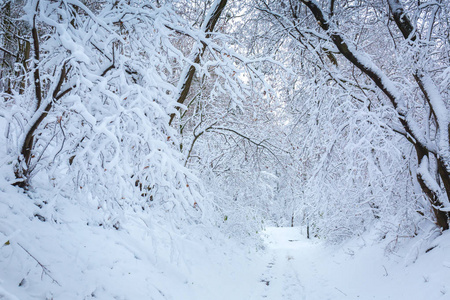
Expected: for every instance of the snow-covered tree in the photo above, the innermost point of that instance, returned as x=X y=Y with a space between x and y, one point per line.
x=369 y=104
x=91 y=113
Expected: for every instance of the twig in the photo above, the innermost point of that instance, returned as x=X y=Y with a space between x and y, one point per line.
x=261 y=144
x=341 y=291
x=6 y=51
x=44 y=269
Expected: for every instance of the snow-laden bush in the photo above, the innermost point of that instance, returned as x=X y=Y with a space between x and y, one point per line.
x=90 y=120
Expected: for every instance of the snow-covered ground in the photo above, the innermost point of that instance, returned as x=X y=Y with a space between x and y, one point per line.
x=298 y=268
x=66 y=259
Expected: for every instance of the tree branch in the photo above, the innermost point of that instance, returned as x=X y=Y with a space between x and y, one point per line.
x=187 y=76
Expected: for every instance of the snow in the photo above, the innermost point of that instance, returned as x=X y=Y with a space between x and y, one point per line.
x=114 y=213
x=86 y=262
x=299 y=268
x=63 y=258
x=426 y=176
x=439 y=110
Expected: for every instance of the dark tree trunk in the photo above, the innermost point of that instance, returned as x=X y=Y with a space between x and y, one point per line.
x=189 y=76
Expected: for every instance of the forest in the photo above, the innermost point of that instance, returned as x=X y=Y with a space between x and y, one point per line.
x=168 y=130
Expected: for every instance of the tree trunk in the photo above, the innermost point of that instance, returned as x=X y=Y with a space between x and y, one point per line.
x=197 y=52
x=307 y=229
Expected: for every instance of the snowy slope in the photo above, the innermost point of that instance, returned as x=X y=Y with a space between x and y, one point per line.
x=146 y=260
x=62 y=257
x=143 y=260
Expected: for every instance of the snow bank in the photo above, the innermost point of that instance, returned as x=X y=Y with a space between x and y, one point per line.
x=62 y=257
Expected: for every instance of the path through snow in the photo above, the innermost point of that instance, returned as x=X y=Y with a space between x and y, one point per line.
x=147 y=263
x=300 y=269
x=291 y=273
